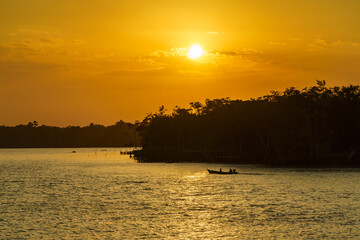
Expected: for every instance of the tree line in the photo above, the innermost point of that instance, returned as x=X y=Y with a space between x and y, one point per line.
x=315 y=125
x=120 y=134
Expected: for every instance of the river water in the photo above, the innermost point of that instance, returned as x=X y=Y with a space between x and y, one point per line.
x=102 y=194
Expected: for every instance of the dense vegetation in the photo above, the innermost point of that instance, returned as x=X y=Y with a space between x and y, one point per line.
x=32 y=135
x=316 y=125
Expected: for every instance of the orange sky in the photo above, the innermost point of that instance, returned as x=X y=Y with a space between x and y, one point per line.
x=75 y=62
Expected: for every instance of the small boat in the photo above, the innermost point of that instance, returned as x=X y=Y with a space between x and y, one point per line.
x=218 y=172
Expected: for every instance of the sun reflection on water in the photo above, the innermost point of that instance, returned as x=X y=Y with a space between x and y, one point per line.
x=196 y=176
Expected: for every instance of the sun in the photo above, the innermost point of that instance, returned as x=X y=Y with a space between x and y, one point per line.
x=195 y=51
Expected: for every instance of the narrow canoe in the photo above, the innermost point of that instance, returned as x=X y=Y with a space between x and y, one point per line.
x=218 y=172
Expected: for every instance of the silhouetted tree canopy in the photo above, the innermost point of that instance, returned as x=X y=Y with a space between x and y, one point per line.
x=318 y=124
x=95 y=135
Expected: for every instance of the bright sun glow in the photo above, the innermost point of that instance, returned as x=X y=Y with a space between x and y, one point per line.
x=195 y=51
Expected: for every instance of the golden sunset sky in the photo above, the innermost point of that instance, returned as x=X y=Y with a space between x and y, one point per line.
x=75 y=62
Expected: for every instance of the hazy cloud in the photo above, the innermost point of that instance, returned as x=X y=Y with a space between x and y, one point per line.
x=325 y=44
x=225 y=53
x=27 y=66
x=16 y=51
x=294 y=39
x=277 y=43
x=76 y=42
x=175 y=62
x=32 y=31
x=176 y=52
x=52 y=41
x=245 y=52
x=170 y=53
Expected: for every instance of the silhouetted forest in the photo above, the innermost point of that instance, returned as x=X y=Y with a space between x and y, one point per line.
x=120 y=134
x=315 y=125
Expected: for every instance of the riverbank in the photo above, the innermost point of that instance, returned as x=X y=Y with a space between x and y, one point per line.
x=336 y=160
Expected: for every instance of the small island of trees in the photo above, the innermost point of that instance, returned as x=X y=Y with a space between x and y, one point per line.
x=317 y=125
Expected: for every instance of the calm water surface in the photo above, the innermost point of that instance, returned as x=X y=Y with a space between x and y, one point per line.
x=95 y=194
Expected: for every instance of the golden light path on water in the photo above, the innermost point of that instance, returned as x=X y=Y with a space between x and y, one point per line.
x=99 y=194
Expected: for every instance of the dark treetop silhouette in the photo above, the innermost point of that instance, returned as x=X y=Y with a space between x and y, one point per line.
x=316 y=125
x=32 y=135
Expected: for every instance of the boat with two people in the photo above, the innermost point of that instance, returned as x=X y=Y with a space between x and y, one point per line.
x=231 y=171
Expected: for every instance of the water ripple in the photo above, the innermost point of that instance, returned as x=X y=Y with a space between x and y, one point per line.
x=52 y=194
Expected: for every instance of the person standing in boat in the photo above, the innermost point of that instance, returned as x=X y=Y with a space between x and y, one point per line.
x=220 y=170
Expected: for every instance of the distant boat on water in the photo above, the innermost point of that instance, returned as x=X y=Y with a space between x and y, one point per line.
x=221 y=172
